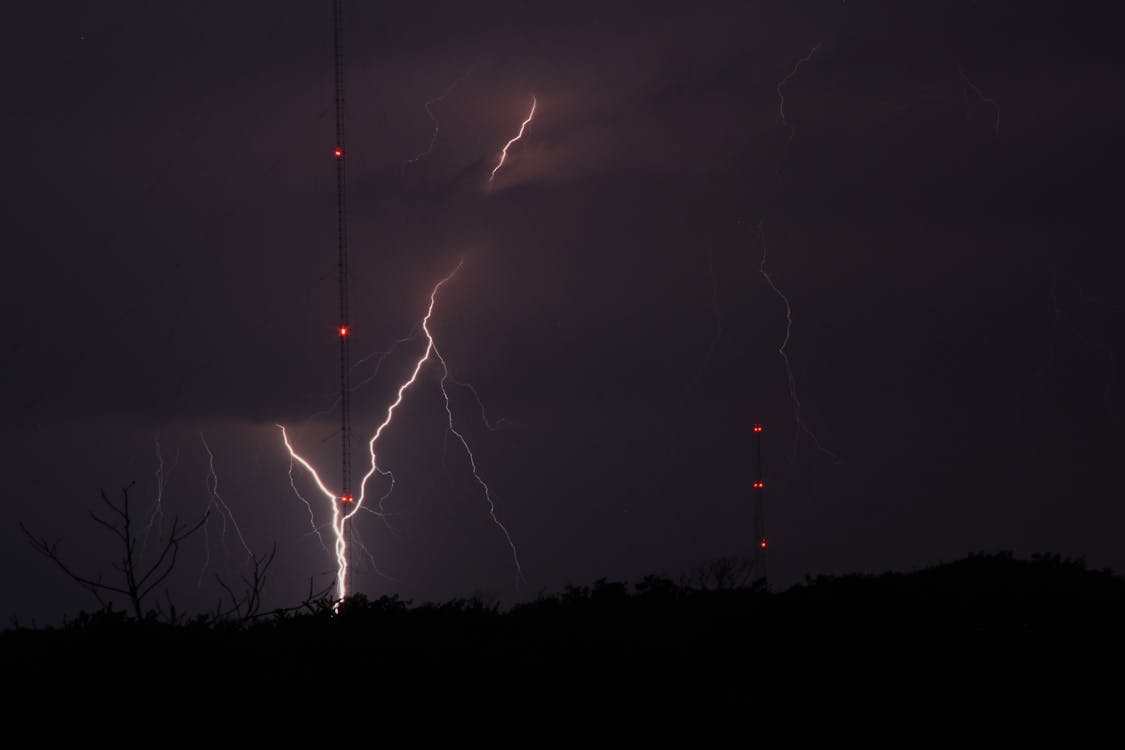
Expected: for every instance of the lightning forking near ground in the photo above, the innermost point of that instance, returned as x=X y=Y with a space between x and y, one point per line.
x=504 y=151
x=343 y=512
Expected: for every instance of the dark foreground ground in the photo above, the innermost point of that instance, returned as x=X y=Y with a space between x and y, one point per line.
x=970 y=636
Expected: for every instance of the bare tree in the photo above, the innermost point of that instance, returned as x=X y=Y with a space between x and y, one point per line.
x=136 y=580
x=247 y=606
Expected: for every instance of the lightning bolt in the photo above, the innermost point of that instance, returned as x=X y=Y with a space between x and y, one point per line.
x=215 y=500
x=162 y=476
x=382 y=357
x=783 y=350
x=781 y=94
x=433 y=118
x=302 y=498
x=473 y=462
x=490 y=426
x=986 y=99
x=504 y=151
x=342 y=514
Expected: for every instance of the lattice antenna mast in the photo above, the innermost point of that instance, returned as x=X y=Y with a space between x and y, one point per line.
x=759 y=507
x=344 y=327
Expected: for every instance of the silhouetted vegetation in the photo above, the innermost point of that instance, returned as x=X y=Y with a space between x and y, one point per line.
x=988 y=620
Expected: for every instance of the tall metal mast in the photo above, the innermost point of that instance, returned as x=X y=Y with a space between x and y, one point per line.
x=344 y=327
x=759 y=507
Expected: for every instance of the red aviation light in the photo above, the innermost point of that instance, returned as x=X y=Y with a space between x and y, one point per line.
x=762 y=544
x=338 y=153
x=344 y=330
x=347 y=499
x=757 y=428
x=759 y=485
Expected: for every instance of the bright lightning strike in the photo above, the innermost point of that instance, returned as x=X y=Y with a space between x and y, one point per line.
x=504 y=151
x=302 y=498
x=344 y=510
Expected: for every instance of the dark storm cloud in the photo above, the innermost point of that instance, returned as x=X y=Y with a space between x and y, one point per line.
x=169 y=220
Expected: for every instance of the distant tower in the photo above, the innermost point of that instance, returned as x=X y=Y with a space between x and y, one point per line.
x=760 y=543
x=343 y=327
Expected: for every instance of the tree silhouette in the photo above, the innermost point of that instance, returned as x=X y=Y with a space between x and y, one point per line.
x=136 y=581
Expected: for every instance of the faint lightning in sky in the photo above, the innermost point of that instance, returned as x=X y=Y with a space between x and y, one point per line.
x=162 y=476
x=381 y=356
x=489 y=425
x=781 y=94
x=504 y=151
x=472 y=459
x=358 y=539
x=986 y=99
x=434 y=119
x=783 y=350
x=215 y=501
x=343 y=510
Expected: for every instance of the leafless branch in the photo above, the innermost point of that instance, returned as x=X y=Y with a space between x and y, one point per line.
x=135 y=586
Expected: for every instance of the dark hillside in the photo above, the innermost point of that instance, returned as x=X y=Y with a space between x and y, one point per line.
x=985 y=623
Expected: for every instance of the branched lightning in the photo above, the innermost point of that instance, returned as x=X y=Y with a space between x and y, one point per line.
x=433 y=118
x=472 y=459
x=344 y=511
x=302 y=498
x=504 y=151
x=986 y=99
x=382 y=357
x=215 y=500
x=358 y=539
x=490 y=426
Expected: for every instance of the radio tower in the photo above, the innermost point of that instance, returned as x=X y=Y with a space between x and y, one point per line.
x=759 y=508
x=344 y=327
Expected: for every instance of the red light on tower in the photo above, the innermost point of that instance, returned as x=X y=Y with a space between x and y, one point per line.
x=762 y=544
x=759 y=485
x=757 y=428
x=338 y=153
x=347 y=499
x=343 y=330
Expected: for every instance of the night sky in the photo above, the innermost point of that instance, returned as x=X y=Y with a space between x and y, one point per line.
x=941 y=206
